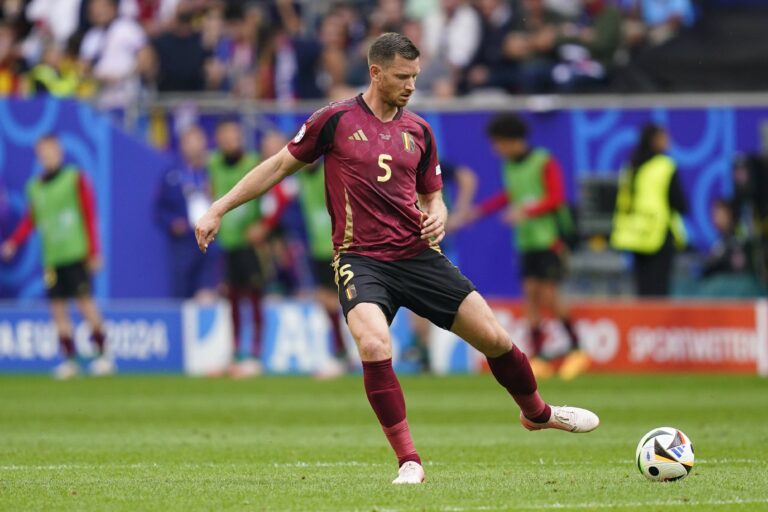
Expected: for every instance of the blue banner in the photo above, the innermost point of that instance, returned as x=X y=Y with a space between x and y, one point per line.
x=141 y=338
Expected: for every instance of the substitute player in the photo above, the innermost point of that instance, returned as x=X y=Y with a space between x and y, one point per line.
x=380 y=163
x=534 y=196
x=62 y=207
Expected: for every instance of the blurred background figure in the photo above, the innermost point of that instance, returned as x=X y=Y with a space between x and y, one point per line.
x=242 y=231
x=56 y=74
x=729 y=267
x=184 y=195
x=62 y=207
x=110 y=54
x=536 y=206
x=317 y=224
x=177 y=59
x=649 y=205
x=459 y=189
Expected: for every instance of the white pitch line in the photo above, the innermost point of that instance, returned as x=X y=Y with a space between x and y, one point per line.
x=351 y=463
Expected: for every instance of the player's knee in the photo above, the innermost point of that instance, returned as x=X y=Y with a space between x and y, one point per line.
x=374 y=347
x=497 y=341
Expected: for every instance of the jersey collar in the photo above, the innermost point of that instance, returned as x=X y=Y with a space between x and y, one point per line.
x=364 y=106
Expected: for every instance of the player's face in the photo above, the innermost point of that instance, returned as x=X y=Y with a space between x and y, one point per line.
x=193 y=146
x=396 y=81
x=272 y=143
x=510 y=149
x=229 y=138
x=49 y=154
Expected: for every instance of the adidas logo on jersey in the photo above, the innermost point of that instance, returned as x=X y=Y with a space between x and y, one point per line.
x=358 y=135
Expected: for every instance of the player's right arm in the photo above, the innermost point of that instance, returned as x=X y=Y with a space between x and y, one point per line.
x=18 y=237
x=254 y=184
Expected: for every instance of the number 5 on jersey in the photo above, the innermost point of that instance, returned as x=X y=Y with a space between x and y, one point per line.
x=383 y=159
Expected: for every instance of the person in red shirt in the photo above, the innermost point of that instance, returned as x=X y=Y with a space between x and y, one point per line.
x=383 y=192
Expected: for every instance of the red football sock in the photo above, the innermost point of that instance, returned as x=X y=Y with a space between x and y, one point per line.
x=537 y=339
x=258 y=322
x=513 y=371
x=98 y=337
x=573 y=336
x=67 y=346
x=386 y=398
x=339 y=349
x=233 y=295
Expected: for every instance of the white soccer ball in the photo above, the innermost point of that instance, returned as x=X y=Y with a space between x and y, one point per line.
x=664 y=454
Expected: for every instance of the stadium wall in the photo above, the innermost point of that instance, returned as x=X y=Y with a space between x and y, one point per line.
x=592 y=138
x=170 y=337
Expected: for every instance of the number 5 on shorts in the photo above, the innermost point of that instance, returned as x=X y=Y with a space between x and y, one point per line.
x=345 y=273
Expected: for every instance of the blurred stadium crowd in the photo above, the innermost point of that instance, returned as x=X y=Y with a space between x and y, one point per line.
x=119 y=50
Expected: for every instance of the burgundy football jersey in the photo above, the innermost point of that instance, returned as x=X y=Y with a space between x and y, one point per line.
x=373 y=171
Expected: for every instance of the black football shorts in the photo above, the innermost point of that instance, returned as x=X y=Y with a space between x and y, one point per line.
x=243 y=269
x=428 y=284
x=546 y=265
x=68 y=281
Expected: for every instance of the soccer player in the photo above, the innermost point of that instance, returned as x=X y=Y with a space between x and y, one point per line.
x=380 y=163
x=62 y=207
x=534 y=196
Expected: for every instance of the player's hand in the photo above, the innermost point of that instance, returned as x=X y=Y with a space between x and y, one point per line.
x=432 y=228
x=8 y=250
x=179 y=226
x=95 y=263
x=206 y=229
x=515 y=215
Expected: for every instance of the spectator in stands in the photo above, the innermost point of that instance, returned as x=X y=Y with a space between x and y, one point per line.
x=649 y=205
x=183 y=197
x=110 y=54
x=180 y=60
x=536 y=206
x=587 y=47
x=10 y=61
x=451 y=36
x=62 y=207
x=297 y=57
x=236 y=49
x=55 y=20
x=535 y=46
x=56 y=74
x=730 y=254
x=491 y=67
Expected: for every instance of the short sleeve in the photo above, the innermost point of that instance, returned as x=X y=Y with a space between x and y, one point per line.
x=315 y=137
x=429 y=176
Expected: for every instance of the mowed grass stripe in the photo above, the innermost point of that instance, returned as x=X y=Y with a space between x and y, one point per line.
x=291 y=443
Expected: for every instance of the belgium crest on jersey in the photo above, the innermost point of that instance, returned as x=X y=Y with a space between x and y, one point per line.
x=408 y=143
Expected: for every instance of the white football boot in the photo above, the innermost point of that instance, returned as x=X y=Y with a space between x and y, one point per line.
x=410 y=473
x=570 y=419
x=331 y=368
x=103 y=366
x=66 y=370
x=246 y=369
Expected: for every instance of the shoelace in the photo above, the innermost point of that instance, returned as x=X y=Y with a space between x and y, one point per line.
x=565 y=416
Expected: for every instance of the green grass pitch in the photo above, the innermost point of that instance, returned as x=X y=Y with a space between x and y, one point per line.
x=164 y=443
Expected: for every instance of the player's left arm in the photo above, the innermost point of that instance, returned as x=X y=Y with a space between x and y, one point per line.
x=433 y=217
x=88 y=206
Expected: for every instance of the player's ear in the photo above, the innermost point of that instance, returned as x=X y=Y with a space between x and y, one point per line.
x=375 y=72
